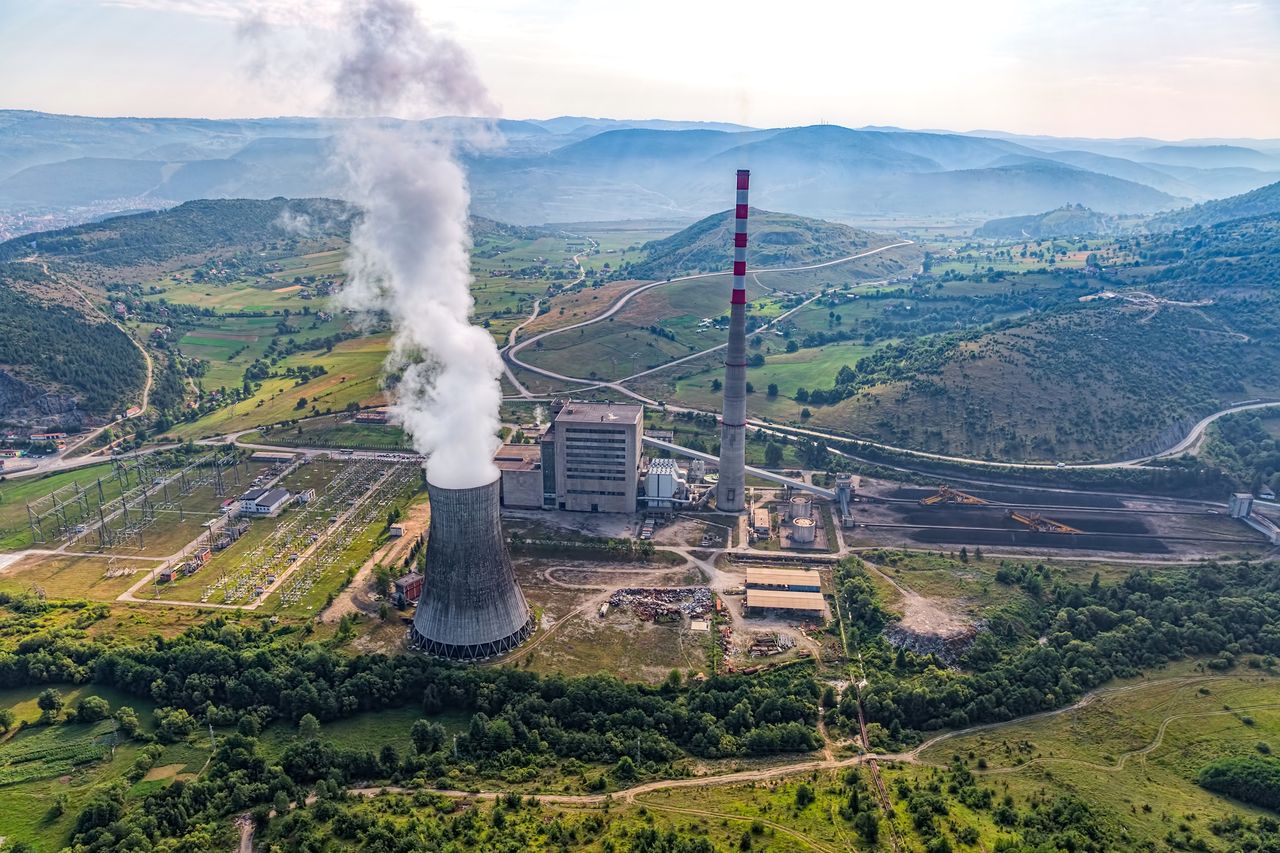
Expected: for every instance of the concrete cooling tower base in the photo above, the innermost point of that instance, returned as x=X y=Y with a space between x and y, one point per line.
x=471 y=606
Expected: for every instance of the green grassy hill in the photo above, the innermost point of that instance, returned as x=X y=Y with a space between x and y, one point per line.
x=776 y=240
x=1073 y=220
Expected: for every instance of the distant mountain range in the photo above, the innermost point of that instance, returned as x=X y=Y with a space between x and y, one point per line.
x=55 y=170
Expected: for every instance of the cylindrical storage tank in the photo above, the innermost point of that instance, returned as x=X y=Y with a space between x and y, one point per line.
x=471 y=606
x=801 y=507
x=803 y=530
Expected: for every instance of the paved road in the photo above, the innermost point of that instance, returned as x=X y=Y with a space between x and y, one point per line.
x=513 y=354
x=533 y=315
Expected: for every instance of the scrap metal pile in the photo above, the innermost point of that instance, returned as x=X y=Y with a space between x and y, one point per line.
x=767 y=645
x=665 y=604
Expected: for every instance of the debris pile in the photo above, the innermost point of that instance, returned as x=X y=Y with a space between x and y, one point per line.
x=665 y=604
x=949 y=646
x=767 y=645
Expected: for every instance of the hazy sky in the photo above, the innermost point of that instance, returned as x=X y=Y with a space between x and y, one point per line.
x=1171 y=69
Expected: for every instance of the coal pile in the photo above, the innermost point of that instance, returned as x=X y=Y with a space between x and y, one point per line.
x=1031 y=539
x=1017 y=497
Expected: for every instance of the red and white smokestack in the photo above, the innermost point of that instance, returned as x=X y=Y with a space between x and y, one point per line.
x=740 y=240
x=730 y=491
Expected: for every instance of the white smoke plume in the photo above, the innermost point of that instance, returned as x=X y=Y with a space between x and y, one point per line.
x=410 y=251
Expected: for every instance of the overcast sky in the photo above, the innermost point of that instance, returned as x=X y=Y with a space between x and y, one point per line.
x=1171 y=69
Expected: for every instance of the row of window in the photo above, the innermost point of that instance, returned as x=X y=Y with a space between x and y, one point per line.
x=595 y=492
x=579 y=430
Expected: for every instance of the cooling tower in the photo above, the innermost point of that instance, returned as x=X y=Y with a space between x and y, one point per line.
x=733 y=432
x=471 y=606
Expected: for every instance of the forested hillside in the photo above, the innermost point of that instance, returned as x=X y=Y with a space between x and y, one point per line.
x=188 y=229
x=1189 y=330
x=1260 y=202
x=56 y=364
x=1074 y=220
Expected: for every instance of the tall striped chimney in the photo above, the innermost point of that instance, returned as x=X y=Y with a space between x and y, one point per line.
x=733 y=432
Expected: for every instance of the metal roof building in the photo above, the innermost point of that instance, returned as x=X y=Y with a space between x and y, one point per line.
x=787 y=580
x=769 y=599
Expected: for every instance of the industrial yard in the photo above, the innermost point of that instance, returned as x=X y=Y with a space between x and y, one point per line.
x=1022 y=520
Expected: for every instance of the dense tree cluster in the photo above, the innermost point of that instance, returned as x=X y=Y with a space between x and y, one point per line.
x=1246 y=451
x=1092 y=634
x=1254 y=779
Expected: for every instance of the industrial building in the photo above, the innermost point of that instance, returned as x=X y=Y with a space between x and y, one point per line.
x=264 y=501
x=665 y=486
x=760 y=524
x=798 y=590
x=594 y=451
x=406 y=589
x=470 y=606
x=372 y=416
x=522 y=477
x=1241 y=506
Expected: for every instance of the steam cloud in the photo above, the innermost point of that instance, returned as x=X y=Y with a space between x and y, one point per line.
x=410 y=252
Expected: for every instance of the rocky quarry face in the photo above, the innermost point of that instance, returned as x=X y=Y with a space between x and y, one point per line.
x=29 y=407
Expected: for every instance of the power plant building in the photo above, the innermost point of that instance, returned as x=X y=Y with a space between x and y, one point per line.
x=594 y=451
x=522 y=480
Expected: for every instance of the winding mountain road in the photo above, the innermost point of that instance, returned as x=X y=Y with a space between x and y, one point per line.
x=511 y=355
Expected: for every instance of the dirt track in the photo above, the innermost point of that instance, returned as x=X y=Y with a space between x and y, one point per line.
x=357 y=596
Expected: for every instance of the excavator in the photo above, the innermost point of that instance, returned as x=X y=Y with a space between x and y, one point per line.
x=946 y=494
x=1040 y=524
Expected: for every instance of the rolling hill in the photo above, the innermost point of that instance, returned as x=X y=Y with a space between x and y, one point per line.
x=776 y=240
x=1264 y=201
x=1072 y=220
x=188 y=229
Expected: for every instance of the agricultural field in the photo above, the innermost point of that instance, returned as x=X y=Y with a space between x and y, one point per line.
x=334 y=431
x=970 y=258
x=352 y=375
x=357 y=732
x=616 y=242
x=805 y=368
x=48 y=774
x=653 y=328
